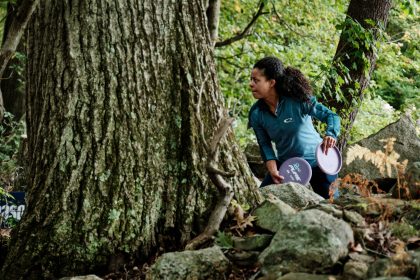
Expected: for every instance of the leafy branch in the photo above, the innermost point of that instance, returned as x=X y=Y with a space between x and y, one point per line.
x=247 y=29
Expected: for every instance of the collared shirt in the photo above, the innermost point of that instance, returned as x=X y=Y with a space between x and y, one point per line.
x=291 y=128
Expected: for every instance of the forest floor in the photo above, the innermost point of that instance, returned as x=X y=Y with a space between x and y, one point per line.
x=392 y=228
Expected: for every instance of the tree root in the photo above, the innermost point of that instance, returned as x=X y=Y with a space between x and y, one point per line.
x=226 y=191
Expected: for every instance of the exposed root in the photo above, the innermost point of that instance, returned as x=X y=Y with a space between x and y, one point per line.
x=225 y=189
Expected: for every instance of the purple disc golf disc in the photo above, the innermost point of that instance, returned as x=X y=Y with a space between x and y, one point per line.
x=331 y=162
x=296 y=170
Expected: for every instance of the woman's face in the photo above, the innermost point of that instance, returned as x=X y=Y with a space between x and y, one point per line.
x=261 y=87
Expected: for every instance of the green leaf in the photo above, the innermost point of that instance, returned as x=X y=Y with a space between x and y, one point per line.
x=371 y=22
x=340 y=80
x=224 y=240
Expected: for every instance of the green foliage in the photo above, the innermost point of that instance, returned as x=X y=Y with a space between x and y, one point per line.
x=3 y=13
x=224 y=240
x=306 y=36
x=374 y=114
x=10 y=137
x=242 y=133
x=403 y=230
x=301 y=35
x=18 y=67
x=359 y=42
x=11 y=222
x=397 y=77
x=3 y=3
x=4 y=195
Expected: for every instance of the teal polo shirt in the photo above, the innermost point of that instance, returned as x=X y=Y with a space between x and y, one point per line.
x=291 y=128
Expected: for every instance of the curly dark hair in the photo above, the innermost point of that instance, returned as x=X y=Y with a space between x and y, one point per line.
x=290 y=81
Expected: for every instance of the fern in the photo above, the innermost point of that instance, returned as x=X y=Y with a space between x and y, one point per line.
x=224 y=240
x=385 y=161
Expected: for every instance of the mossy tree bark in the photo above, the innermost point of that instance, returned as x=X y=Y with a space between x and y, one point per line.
x=117 y=164
x=355 y=60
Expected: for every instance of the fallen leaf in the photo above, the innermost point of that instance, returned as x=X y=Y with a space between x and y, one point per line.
x=243 y=223
x=356 y=248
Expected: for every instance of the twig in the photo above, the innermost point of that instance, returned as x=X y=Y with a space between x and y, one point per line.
x=11 y=73
x=245 y=32
x=372 y=251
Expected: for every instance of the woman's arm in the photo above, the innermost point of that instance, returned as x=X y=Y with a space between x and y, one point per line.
x=263 y=139
x=272 y=169
x=266 y=149
x=322 y=113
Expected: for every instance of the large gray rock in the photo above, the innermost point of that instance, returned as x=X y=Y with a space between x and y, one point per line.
x=391 y=278
x=407 y=145
x=307 y=276
x=339 y=212
x=364 y=257
x=243 y=258
x=209 y=263
x=300 y=276
x=354 y=218
x=256 y=242
x=84 y=277
x=294 y=194
x=271 y=213
x=310 y=241
x=328 y=208
x=355 y=270
x=415 y=261
x=405 y=266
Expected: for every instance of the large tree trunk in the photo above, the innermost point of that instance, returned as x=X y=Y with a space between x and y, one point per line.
x=117 y=164
x=353 y=70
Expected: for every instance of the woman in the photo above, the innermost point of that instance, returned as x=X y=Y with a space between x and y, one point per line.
x=283 y=114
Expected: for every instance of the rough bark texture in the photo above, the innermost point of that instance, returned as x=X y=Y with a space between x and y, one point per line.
x=117 y=164
x=359 y=11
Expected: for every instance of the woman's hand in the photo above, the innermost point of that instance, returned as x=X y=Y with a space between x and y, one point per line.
x=277 y=179
x=272 y=169
x=328 y=142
